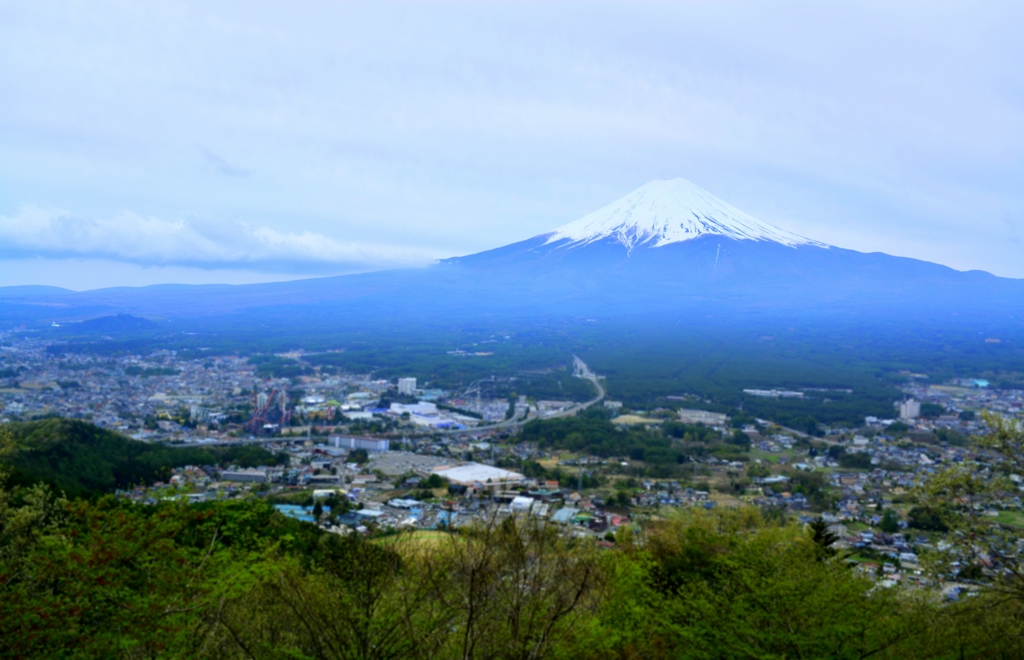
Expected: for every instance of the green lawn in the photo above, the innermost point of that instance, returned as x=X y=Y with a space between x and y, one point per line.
x=423 y=538
x=774 y=457
x=1011 y=518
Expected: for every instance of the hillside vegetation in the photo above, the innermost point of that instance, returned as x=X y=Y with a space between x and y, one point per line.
x=102 y=577
x=78 y=458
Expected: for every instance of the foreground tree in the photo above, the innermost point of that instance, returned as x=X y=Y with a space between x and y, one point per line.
x=730 y=584
x=517 y=588
x=83 y=580
x=958 y=499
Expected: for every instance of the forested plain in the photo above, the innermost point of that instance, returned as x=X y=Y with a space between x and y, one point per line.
x=92 y=576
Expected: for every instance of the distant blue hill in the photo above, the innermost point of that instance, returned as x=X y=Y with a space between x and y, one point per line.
x=117 y=324
x=31 y=290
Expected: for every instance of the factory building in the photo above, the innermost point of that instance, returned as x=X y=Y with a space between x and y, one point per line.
x=479 y=477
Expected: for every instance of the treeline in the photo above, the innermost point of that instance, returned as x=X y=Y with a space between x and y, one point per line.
x=566 y=478
x=80 y=459
x=592 y=432
x=274 y=366
x=90 y=579
x=558 y=385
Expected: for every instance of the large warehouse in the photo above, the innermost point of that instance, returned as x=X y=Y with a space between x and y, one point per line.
x=476 y=475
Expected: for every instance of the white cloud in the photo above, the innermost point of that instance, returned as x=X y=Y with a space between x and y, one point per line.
x=83 y=273
x=148 y=240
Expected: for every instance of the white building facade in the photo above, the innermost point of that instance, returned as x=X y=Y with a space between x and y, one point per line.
x=910 y=409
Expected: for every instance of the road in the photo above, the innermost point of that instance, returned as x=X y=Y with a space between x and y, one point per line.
x=581 y=371
x=766 y=422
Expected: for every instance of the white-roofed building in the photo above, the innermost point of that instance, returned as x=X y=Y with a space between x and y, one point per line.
x=477 y=475
x=521 y=504
x=701 y=417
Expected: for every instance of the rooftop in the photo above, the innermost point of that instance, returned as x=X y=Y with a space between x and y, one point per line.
x=476 y=472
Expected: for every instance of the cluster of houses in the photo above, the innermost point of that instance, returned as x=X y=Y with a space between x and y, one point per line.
x=164 y=396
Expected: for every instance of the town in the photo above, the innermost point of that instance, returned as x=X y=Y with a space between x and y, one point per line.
x=368 y=455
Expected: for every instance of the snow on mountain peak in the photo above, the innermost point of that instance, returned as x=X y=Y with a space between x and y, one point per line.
x=670 y=211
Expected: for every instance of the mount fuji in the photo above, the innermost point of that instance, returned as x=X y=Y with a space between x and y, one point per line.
x=670 y=243
x=665 y=248
x=662 y=219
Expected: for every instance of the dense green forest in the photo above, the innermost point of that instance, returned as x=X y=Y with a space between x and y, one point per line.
x=844 y=369
x=99 y=577
x=592 y=432
x=77 y=458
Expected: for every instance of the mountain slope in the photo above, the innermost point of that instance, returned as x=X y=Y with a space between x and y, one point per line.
x=671 y=243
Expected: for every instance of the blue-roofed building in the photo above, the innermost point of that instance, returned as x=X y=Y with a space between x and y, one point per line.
x=446 y=518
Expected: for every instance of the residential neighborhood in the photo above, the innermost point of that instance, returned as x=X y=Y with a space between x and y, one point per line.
x=368 y=455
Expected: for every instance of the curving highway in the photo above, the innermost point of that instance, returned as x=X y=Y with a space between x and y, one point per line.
x=581 y=370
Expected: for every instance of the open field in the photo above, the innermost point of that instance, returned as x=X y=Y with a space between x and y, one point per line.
x=772 y=456
x=415 y=540
x=1011 y=518
x=552 y=463
x=725 y=500
x=420 y=535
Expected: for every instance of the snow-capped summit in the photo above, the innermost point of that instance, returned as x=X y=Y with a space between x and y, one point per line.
x=670 y=211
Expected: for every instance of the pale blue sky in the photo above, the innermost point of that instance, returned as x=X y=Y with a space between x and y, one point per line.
x=231 y=142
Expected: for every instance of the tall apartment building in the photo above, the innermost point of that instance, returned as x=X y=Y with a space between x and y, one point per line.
x=910 y=409
x=407 y=386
